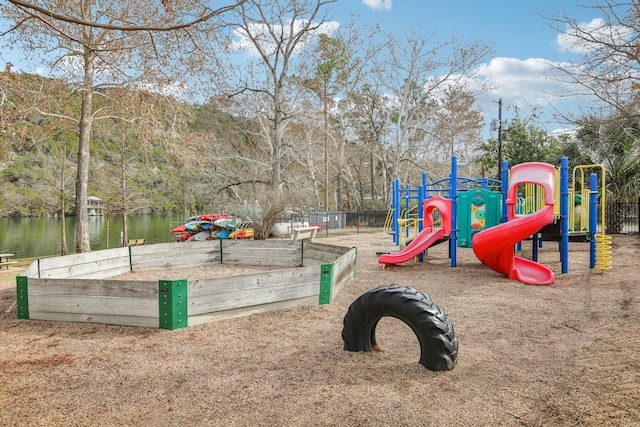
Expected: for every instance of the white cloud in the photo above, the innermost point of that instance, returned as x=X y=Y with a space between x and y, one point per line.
x=262 y=34
x=576 y=40
x=523 y=83
x=384 y=5
x=525 y=86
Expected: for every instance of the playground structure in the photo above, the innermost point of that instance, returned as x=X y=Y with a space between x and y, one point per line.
x=80 y=287
x=495 y=246
x=538 y=195
x=429 y=235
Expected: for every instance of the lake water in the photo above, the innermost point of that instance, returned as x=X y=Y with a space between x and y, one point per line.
x=40 y=237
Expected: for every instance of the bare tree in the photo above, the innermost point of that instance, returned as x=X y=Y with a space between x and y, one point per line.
x=49 y=138
x=341 y=63
x=273 y=33
x=607 y=70
x=372 y=129
x=126 y=140
x=457 y=125
x=62 y=155
x=607 y=67
x=108 y=43
x=415 y=71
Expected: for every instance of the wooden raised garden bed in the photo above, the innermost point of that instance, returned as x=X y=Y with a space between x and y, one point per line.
x=81 y=288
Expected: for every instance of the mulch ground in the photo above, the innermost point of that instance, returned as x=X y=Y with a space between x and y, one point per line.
x=561 y=355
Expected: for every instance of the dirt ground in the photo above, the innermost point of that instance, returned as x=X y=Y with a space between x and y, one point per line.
x=561 y=355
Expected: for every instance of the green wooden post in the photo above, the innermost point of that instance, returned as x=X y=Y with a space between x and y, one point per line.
x=172 y=298
x=326 y=279
x=22 y=297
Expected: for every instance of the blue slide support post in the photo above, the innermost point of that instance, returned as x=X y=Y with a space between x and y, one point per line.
x=395 y=191
x=407 y=205
x=593 y=218
x=564 y=215
x=422 y=198
x=454 y=210
x=505 y=188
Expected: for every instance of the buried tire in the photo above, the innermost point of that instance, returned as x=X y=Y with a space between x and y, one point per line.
x=438 y=345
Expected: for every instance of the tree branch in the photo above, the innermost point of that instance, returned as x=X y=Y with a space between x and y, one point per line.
x=63 y=18
x=235 y=184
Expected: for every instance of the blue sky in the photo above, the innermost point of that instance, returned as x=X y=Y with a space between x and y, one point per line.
x=524 y=43
x=525 y=46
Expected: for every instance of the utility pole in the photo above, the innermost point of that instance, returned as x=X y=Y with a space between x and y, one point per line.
x=326 y=151
x=500 y=138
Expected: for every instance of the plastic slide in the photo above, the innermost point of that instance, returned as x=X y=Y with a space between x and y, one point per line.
x=494 y=246
x=428 y=236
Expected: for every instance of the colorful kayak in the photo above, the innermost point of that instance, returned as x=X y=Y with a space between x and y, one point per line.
x=212 y=217
x=245 y=233
x=196 y=225
x=223 y=234
x=202 y=235
x=180 y=229
x=185 y=236
x=225 y=223
x=212 y=226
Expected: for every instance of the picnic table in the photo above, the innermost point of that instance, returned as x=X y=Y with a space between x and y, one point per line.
x=5 y=261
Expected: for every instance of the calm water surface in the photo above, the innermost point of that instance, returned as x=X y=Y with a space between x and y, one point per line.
x=41 y=237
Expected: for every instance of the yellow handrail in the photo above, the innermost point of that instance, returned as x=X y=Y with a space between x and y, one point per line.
x=584 y=211
x=388 y=222
x=408 y=229
x=602 y=241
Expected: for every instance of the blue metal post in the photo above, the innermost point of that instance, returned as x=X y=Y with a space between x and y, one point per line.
x=519 y=210
x=422 y=196
x=395 y=185
x=593 y=218
x=422 y=191
x=564 y=215
x=505 y=188
x=407 y=206
x=453 y=194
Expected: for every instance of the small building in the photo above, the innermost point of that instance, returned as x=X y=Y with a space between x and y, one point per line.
x=94 y=207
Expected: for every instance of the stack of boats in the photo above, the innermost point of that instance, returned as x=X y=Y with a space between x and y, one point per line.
x=213 y=226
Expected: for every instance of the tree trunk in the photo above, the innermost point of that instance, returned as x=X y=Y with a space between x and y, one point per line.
x=123 y=190
x=63 y=228
x=276 y=143
x=82 y=179
x=372 y=176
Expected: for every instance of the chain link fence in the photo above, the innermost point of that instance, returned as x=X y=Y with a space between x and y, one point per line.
x=341 y=222
x=622 y=217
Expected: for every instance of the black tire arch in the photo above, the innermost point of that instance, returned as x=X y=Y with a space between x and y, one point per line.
x=438 y=345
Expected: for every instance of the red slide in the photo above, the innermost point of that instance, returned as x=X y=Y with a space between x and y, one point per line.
x=428 y=236
x=494 y=246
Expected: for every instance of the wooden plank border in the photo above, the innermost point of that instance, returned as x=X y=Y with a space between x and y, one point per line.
x=94 y=301
x=69 y=289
